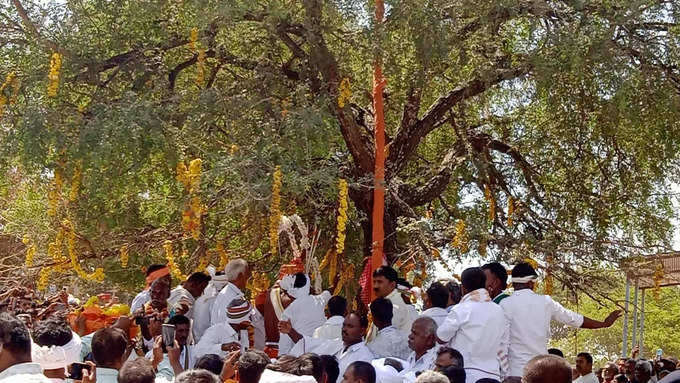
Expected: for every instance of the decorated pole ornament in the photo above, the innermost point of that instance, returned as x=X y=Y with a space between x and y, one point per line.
x=378 y=235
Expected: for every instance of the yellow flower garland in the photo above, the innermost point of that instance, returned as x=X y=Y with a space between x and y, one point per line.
x=76 y=182
x=342 y=216
x=54 y=195
x=170 y=257
x=43 y=278
x=55 y=68
x=200 y=68
x=224 y=256
x=190 y=177
x=193 y=37
x=10 y=80
x=124 y=256
x=30 y=250
x=511 y=211
x=98 y=274
x=345 y=92
x=275 y=211
x=460 y=239
x=492 y=203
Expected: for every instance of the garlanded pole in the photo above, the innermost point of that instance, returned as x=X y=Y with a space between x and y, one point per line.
x=377 y=256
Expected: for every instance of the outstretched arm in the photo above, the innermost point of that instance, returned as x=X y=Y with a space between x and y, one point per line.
x=608 y=321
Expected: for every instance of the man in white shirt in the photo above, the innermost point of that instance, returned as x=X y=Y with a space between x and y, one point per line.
x=584 y=366
x=229 y=336
x=389 y=342
x=332 y=329
x=476 y=328
x=15 y=353
x=238 y=273
x=305 y=313
x=423 y=342
x=55 y=347
x=350 y=349
x=183 y=297
x=385 y=286
x=436 y=299
x=204 y=303
x=528 y=317
x=153 y=273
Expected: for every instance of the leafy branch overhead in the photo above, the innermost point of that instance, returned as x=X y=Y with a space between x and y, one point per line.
x=546 y=128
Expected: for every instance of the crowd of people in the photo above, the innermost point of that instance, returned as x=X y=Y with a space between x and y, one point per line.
x=206 y=330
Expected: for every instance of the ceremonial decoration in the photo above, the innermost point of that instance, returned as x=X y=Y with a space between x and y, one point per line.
x=342 y=216
x=275 y=211
x=172 y=265
x=55 y=68
x=30 y=250
x=124 y=256
x=11 y=80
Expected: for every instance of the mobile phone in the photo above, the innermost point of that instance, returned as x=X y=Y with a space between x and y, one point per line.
x=659 y=353
x=168 y=332
x=77 y=370
x=60 y=307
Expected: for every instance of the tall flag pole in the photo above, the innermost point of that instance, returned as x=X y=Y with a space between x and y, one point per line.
x=377 y=255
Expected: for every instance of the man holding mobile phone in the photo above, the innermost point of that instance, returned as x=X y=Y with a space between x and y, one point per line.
x=176 y=357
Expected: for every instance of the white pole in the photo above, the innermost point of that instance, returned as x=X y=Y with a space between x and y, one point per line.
x=642 y=324
x=633 y=342
x=624 y=341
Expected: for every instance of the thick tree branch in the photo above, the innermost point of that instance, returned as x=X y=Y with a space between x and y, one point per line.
x=321 y=58
x=28 y=23
x=408 y=138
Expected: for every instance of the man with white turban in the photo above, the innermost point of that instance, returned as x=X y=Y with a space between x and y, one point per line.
x=55 y=347
x=305 y=313
x=528 y=317
x=228 y=336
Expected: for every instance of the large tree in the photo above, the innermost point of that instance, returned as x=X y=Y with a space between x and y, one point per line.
x=566 y=112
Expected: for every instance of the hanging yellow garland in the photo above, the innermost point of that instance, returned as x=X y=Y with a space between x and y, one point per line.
x=10 y=80
x=460 y=239
x=170 y=257
x=193 y=37
x=76 y=181
x=548 y=288
x=346 y=276
x=345 y=92
x=54 y=195
x=55 y=68
x=200 y=68
x=203 y=263
x=511 y=211
x=224 y=256
x=531 y=263
x=342 y=216
x=275 y=212
x=98 y=274
x=30 y=250
x=492 y=203
x=43 y=278
x=190 y=177
x=124 y=256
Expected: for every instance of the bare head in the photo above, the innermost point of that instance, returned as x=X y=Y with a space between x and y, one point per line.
x=547 y=369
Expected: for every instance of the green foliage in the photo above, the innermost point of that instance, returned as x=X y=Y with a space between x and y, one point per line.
x=571 y=108
x=605 y=344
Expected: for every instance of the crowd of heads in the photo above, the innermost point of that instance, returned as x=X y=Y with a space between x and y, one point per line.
x=28 y=329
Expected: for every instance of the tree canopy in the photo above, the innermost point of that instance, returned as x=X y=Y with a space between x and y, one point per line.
x=543 y=129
